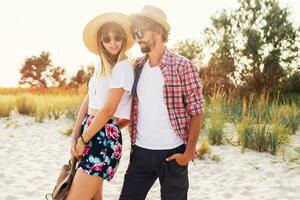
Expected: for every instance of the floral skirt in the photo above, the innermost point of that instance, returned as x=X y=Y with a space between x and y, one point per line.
x=103 y=152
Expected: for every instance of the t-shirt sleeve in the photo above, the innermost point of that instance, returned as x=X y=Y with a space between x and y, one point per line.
x=122 y=76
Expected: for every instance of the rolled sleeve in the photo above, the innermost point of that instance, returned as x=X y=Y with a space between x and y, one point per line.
x=192 y=90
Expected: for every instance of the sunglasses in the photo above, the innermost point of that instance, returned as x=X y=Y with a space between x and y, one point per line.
x=139 y=33
x=108 y=39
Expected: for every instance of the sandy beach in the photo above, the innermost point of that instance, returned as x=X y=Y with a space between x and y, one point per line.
x=32 y=154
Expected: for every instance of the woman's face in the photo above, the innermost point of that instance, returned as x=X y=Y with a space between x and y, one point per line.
x=112 y=42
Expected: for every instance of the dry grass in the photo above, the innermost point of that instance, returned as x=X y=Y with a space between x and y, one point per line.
x=40 y=103
x=8 y=104
x=265 y=124
x=216 y=121
x=203 y=147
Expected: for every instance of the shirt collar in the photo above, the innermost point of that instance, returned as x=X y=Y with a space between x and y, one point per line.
x=166 y=57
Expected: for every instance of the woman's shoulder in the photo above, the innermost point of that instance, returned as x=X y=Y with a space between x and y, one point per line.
x=97 y=66
x=123 y=65
x=124 y=62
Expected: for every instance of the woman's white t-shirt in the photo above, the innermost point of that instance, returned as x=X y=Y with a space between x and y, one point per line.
x=121 y=77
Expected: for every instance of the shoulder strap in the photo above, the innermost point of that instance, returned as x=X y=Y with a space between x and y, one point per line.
x=137 y=74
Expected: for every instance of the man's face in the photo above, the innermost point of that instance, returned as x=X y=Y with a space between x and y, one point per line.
x=145 y=38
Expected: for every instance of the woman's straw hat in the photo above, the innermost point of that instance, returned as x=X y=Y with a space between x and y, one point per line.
x=92 y=28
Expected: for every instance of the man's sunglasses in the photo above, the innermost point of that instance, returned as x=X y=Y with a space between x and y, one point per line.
x=138 y=34
x=108 y=39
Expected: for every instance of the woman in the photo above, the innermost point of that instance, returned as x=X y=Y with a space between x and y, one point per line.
x=96 y=139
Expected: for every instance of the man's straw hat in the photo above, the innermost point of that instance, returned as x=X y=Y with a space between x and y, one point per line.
x=154 y=13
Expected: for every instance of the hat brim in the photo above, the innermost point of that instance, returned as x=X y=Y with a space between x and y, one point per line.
x=158 y=20
x=91 y=29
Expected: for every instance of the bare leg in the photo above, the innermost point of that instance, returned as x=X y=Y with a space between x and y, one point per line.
x=85 y=187
x=98 y=195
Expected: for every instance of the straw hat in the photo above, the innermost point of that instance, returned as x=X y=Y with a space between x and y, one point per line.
x=91 y=29
x=153 y=13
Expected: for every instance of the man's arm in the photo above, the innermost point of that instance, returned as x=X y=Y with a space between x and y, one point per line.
x=192 y=91
x=194 y=133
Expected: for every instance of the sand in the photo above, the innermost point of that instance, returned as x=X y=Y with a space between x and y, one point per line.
x=31 y=155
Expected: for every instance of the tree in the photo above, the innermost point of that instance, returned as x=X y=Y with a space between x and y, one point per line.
x=38 y=72
x=82 y=76
x=190 y=49
x=33 y=71
x=217 y=75
x=58 y=76
x=220 y=71
x=260 y=39
x=292 y=83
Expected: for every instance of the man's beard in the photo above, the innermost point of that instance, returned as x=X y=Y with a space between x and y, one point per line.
x=147 y=47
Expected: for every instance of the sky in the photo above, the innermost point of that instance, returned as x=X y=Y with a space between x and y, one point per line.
x=28 y=27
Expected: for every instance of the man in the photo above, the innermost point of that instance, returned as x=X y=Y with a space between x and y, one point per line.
x=166 y=113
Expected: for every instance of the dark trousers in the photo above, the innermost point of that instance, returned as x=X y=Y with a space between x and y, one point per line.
x=146 y=166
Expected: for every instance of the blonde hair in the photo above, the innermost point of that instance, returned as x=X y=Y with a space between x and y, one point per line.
x=106 y=67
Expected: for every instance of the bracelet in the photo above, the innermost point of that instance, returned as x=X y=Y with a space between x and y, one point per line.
x=85 y=143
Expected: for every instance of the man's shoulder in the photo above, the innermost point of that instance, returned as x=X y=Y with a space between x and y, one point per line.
x=178 y=59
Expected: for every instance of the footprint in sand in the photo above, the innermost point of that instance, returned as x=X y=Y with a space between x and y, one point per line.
x=227 y=195
x=235 y=189
x=8 y=182
x=11 y=198
x=30 y=193
x=246 y=193
x=270 y=174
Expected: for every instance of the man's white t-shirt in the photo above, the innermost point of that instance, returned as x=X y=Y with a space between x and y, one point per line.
x=154 y=129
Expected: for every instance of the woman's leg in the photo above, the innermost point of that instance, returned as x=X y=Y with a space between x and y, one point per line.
x=98 y=195
x=84 y=186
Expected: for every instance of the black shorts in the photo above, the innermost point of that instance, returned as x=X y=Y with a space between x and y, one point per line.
x=103 y=152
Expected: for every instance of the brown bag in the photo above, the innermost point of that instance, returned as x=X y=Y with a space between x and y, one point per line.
x=64 y=181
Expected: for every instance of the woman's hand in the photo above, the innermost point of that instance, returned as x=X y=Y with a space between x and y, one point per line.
x=79 y=148
x=73 y=148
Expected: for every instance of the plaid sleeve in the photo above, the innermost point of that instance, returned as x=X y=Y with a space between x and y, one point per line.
x=192 y=89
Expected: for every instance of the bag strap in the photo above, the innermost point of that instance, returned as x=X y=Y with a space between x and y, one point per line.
x=73 y=163
x=137 y=73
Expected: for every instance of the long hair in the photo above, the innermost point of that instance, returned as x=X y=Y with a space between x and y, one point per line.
x=106 y=67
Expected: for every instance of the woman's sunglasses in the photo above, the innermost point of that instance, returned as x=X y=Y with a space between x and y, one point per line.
x=108 y=39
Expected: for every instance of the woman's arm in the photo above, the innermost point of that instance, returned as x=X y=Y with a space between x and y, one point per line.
x=123 y=123
x=77 y=128
x=103 y=115
x=80 y=117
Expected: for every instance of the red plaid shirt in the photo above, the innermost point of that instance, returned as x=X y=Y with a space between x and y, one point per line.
x=182 y=94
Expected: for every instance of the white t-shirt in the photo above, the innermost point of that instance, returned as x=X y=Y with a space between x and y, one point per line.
x=122 y=77
x=154 y=130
